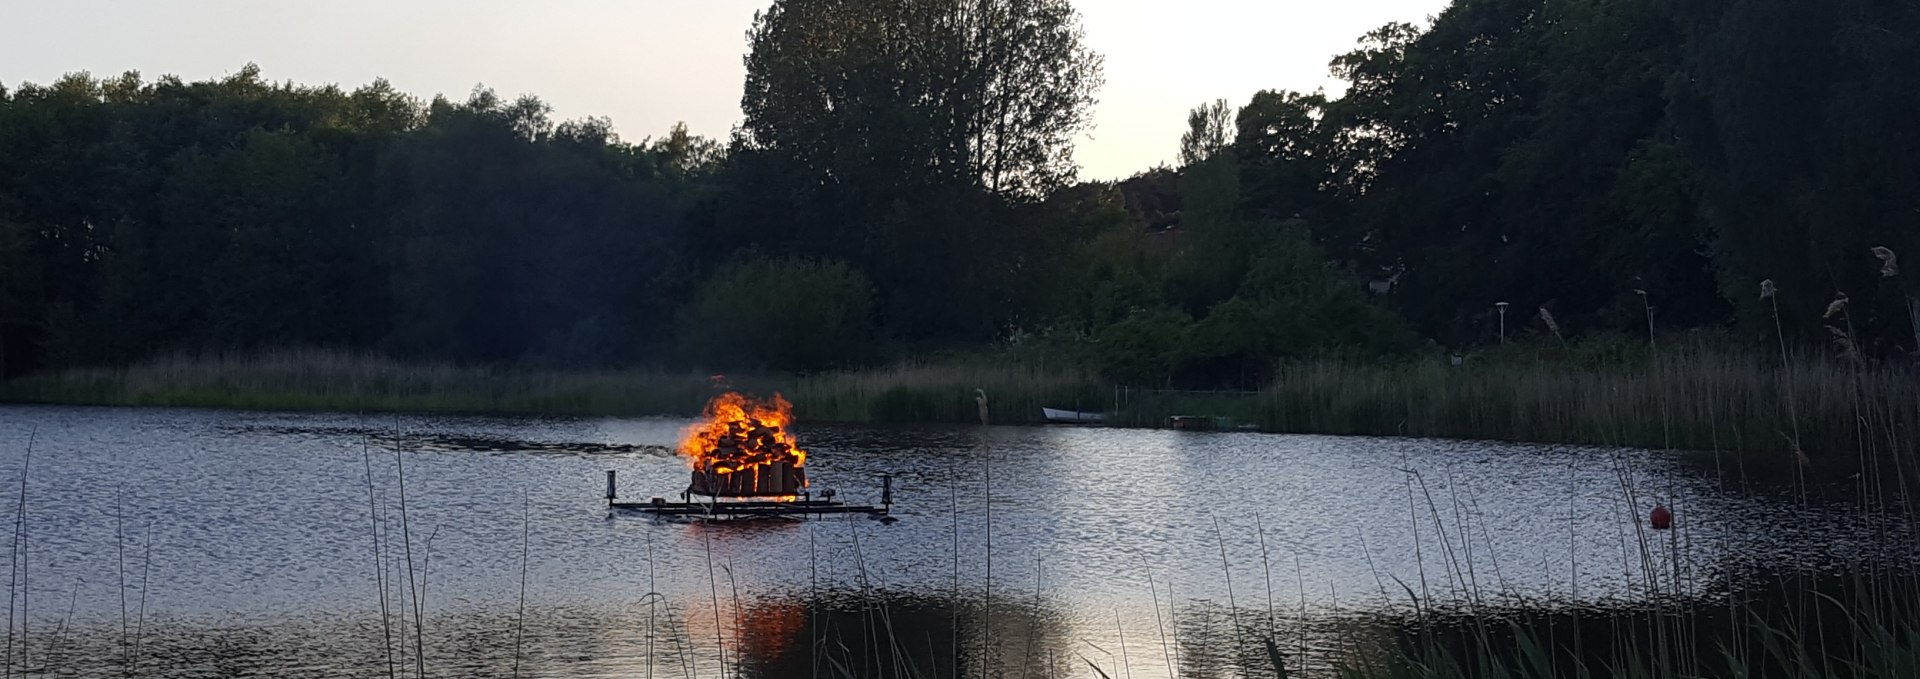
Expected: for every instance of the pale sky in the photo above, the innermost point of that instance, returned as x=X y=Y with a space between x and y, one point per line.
x=647 y=64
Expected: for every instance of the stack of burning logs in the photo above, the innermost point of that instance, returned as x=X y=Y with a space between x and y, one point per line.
x=750 y=458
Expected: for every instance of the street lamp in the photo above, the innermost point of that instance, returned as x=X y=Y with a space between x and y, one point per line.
x=1503 y=321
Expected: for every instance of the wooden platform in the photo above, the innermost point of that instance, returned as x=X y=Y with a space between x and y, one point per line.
x=1193 y=422
x=748 y=508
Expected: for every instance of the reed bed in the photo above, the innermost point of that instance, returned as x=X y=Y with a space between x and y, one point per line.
x=1858 y=629
x=1695 y=400
x=1868 y=626
x=1692 y=398
x=911 y=393
x=339 y=381
x=327 y=380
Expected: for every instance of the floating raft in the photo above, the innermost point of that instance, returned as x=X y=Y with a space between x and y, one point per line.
x=750 y=508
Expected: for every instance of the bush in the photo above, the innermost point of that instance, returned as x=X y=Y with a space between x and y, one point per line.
x=786 y=313
x=1144 y=347
x=1290 y=303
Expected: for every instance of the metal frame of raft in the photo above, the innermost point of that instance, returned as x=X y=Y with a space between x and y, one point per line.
x=749 y=508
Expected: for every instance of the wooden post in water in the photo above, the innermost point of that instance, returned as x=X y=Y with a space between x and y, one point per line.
x=610 y=494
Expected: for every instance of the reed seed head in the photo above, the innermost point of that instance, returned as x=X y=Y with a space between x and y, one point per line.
x=1843 y=343
x=1889 y=264
x=1838 y=305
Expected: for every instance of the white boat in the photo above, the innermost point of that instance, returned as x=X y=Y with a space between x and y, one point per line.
x=1073 y=416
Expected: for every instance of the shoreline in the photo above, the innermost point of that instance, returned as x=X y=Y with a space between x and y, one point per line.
x=1689 y=402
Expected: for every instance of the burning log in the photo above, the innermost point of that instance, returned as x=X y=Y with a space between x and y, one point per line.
x=741 y=447
x=778 y=478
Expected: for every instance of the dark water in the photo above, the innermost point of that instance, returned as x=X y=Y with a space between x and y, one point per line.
x=202 y=543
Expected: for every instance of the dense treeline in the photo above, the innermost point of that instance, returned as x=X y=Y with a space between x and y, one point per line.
x=1602 y=167
x=903 y=182
x=141 y=217
x=1571 y=154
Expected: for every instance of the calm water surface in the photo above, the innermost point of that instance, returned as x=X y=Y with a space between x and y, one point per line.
x=206 y=543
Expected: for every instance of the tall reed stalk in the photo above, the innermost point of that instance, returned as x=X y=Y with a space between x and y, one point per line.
x=520 y=617
x=140 y=619
x=120 y=569
x=379 y=562
x=19 y=562
x=416 y=588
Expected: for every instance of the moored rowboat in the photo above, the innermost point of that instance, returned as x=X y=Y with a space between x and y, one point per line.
x=1072 y=416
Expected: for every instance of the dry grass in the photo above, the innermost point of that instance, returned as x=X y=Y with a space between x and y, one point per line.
x=1691 y=398
x=328 y=380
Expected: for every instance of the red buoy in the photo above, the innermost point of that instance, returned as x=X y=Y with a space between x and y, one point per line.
x=1661 y=518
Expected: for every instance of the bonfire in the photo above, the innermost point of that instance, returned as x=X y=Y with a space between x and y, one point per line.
x=743 y=447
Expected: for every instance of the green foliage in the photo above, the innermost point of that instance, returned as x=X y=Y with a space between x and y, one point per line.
x=1217 y=243
x=18 y=279
x=516 y=240
x=922 y=142
x=1236 y=341
x=787 y=313
x=143 y=217
x=1614 y=161
x=1284 y=160
x=873 y=94
x=1144 y=347
x=1797 y=118
x=1273 y=298
x=1115 y=273
x=680 y=152
x=1579 y=155
x=1208 y=131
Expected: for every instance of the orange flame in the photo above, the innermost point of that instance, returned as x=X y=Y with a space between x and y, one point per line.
x=737 y=433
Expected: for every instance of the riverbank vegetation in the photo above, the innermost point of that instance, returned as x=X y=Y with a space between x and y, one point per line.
x=1690 y=395
x=1510 y=170
x=1674 y=225
x=322 y=380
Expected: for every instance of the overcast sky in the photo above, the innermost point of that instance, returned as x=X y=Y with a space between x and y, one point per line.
x=649 y=63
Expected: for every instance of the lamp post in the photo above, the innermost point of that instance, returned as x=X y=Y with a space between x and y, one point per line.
x=1502 y=306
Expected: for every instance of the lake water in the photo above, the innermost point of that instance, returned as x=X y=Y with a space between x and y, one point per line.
x=208 y=543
